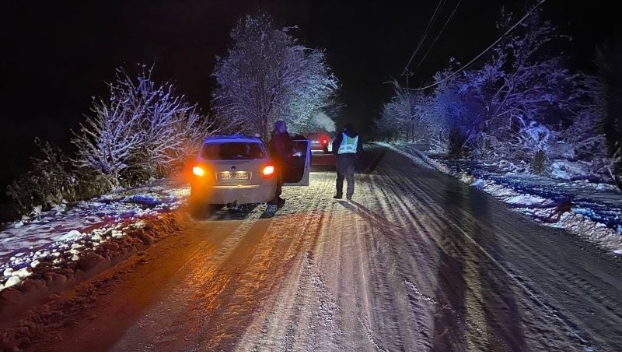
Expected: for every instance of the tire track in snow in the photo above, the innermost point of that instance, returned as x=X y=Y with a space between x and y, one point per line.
x=302 y=308
x=558 y=318
x=441 y=239
x=415 y=261
x=184 y=313
x=418 y=236
x=409 y=260
x=403 y=248
x=470 y=264
x=382 y=323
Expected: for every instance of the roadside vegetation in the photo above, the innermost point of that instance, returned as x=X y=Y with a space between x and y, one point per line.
x=143 y=130
x=518 y=107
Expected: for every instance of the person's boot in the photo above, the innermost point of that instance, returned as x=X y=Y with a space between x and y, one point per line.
x=280 y=203
x=337 y=196
x=271 y=208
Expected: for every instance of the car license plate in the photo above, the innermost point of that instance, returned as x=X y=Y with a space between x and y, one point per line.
x=239 y=175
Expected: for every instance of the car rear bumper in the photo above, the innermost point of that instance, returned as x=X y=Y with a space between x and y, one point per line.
x=318 y=148
x=239 y=194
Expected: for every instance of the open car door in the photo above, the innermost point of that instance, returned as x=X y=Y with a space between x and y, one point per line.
x=296 y=172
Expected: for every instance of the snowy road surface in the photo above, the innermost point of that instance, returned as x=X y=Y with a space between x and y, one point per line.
x=417 y=262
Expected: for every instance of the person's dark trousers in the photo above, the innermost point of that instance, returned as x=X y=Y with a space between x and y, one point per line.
x=346 y=166
x=279 y=188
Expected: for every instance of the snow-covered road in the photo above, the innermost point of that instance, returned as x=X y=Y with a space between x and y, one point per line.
x=418 y=261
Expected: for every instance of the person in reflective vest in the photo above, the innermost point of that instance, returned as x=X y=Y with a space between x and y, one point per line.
x=347 y=147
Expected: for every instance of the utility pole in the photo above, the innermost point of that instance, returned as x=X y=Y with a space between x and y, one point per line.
x=407 y=73
x=410 y=131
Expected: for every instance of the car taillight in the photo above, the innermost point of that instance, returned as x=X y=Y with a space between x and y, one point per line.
x=324 y=141
x=199 y=171
x=268 y=171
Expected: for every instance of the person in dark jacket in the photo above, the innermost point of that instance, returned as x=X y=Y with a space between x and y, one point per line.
x=281 y=149
x=348 y=147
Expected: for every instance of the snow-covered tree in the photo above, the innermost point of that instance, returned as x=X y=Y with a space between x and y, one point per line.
x=406 y=116
x=494 y=110
x=170 y=128
x=456 y=112
x=107 y=139
x=142 y=130
x=267 y=76
x=582 y=145
x=313 y=91
x=395 y=114
x=609 y=60
x=523 y=108
x=523 y=84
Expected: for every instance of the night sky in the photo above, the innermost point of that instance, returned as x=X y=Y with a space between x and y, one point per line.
x=57 y=54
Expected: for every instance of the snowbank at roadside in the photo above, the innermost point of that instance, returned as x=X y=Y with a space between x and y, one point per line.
x=545 y=210
x=104 y=228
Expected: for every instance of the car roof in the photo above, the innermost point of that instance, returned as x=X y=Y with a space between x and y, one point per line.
x=232 y=138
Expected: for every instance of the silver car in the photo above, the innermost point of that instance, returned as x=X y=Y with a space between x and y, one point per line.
x=236 y=170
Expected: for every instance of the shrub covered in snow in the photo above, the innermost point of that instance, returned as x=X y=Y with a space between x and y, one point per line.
x=50 y=181
x=141 y=131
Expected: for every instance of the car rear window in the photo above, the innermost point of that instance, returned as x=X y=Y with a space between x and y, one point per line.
x=232 y=151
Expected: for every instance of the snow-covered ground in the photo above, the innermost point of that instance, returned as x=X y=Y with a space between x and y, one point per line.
x=65 y=233
x=595 y=209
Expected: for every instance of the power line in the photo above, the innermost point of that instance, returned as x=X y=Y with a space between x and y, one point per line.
x=485 y=50
x=439 y=34
x=437 y=10
x=439 y=6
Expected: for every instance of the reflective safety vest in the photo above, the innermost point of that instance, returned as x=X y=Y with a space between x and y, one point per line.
x=348 y=144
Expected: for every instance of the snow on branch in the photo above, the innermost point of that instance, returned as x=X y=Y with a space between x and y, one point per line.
x=266 y=76
x=143 y=130
x=107 y=139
